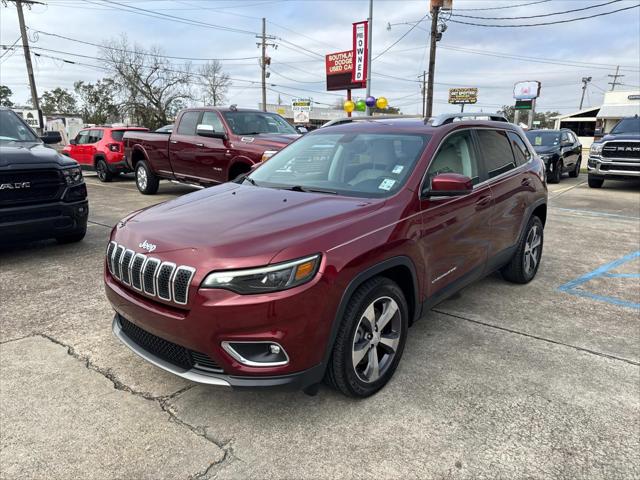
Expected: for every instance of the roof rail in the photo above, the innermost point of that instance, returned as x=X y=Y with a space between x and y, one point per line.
x=450 y=117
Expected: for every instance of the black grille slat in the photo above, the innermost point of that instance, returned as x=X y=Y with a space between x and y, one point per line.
x=181 y=284
x=126 y=260
x=110 y=248
x=164 y=280
x=117 y=257
x=43 y=185
x=148 y=276
x=168 y=351
x=136 y=271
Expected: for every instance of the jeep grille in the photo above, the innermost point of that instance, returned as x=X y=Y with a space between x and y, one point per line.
x=149 y=275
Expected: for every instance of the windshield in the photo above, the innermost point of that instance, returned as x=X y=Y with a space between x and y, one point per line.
x=254 y=123
x=543 y=139
x=12 y=128
x=353 y=164
x=627 y=125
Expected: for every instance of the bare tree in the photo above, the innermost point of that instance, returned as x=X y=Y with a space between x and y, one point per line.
x=215 y=83
x=151 y=88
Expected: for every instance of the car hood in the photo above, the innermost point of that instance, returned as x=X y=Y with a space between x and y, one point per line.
x=613 y=136
x=272 y=139
x=31 y=155
x=238 y=226
x=542 y=149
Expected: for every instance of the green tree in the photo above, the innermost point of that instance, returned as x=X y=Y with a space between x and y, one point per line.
x=97 y=104
x=5 y=96
x=58 y=100
x=508 y=111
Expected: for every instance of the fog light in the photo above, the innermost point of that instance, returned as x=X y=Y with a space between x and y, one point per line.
x=257 y=354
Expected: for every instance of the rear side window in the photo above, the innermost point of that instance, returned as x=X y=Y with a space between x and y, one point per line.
x=455 y=155
x=188 y=123
x=212 y=119
x=117 y=135
x=496 y=152
x=520 y=150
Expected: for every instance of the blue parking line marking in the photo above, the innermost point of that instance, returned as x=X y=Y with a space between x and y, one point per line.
x=603 y=271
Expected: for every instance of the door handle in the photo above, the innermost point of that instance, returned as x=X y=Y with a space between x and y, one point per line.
x=484 y=201
x=174 y=141
x=525 y=182
x=199 y=144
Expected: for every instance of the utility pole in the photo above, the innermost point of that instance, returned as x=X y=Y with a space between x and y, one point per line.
x=264 y=60
x=435 y=11
x=369 y=43
x=424 y=91
x=585 y=81
x=615 y=79
x=27 y=58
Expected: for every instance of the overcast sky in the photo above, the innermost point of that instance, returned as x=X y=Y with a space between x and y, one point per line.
x=306 y=28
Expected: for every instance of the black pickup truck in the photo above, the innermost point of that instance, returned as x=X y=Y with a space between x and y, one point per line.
x=42 y=193
x=617 y=154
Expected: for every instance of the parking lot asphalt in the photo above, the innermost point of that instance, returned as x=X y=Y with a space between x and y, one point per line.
x=501 y=381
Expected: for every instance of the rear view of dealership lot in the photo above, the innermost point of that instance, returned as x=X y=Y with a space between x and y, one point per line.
x=499 y=381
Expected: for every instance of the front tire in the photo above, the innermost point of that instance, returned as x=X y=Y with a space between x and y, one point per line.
x=525 y=262
x=370 y=340
x=146 y=181
x=102 y=170
x=595 y=182
x=576 y=171
x=555 y=173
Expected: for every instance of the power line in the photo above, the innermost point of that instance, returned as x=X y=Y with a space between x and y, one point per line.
x=400 y=39
x=538 y=16
x=501 y=8
x=545 y=23
x=150 y=54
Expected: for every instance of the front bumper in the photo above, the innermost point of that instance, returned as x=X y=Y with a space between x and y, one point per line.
x=611 y=167
x=296 y=381
x=42 y=221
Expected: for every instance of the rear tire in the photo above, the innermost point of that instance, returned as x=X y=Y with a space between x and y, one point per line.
x=146 y=181
x=576 y=171
x=525 y=262
x=371 y=338
x=595 y=182
x=102 y=170
x=72 y=237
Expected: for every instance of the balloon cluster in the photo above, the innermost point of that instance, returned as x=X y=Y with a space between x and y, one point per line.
x=361 y=105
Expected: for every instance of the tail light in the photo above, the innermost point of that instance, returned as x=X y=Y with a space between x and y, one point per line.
x=114 y=147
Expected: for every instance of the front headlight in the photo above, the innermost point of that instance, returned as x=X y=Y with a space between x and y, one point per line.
x=265 y=279
x=268 y=154
x=546 y=156
x=596 y=149
x=73 y=175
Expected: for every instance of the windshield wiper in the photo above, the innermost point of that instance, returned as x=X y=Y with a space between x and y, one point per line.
x=300 y=188
x=246 y=177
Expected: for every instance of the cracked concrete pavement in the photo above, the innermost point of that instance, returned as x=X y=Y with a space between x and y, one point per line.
x=500 y=381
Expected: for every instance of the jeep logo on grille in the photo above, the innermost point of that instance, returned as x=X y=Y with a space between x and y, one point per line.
x=149 y=247
x=15 y=186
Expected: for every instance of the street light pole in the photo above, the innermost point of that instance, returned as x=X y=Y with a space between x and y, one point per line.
x=585 y=81
x=369 y=42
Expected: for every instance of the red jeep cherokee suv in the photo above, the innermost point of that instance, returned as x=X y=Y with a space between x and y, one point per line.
x=314 y=265
x=101 y=148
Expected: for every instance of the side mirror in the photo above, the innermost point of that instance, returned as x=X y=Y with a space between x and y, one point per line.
x=302 y=130
x=599 y=133
x=208 y=131
x=449 y=185
x=73 y=141
x=51 y=137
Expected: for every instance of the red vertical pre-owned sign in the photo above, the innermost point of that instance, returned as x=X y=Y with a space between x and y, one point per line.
x=360 y=34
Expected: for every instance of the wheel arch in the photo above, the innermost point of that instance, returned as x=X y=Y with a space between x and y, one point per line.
x=238 y=166
x=138 y=154
x=99 y=156
x=401 y=270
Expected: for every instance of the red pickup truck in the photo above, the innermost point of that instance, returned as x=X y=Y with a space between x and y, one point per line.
x=207 y=146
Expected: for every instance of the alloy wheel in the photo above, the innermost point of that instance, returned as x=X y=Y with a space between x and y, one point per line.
x=141 y=178
x=532 y=250
x=376 y=340
x=100 y=171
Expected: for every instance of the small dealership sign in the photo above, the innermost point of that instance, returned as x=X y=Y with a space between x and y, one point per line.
x=339 y=67
x=528 y=90
x=301 y=109
x=360 y=34
x=463 y=96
